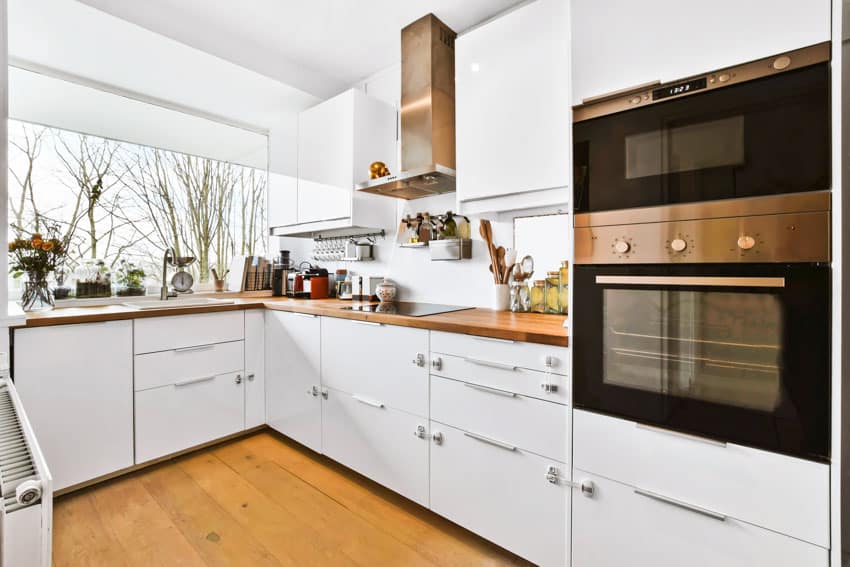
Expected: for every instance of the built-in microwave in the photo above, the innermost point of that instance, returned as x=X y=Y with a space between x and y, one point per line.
x=762 y=128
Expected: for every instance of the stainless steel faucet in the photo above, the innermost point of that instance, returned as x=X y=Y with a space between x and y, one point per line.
x=164 y=294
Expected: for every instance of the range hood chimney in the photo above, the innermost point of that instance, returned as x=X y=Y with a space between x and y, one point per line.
x=427 y=114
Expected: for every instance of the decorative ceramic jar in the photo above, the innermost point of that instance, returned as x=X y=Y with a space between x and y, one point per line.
x=386 y=291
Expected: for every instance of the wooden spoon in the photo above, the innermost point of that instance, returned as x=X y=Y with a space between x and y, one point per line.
x=500 y=263
x=486 y=231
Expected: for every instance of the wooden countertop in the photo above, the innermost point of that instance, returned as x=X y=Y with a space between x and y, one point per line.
x=525 y=327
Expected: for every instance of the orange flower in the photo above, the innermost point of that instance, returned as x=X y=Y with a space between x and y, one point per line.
x=37 y=242
x=47 y=246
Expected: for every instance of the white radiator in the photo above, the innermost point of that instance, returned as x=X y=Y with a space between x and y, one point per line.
x=26 y=488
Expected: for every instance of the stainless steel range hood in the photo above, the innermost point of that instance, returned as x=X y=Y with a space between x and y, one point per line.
x=427 y=114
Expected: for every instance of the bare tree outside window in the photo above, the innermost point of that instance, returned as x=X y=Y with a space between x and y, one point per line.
x=118 y=201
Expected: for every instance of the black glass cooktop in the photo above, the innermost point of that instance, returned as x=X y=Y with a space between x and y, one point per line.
x=410 y=309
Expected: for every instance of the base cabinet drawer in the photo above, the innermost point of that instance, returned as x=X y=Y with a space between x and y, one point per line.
x=621 y=525
x=179 y=416
x=503 y=375
x=530 y=424
x=531 y=356
x=155 y=334
x=777 y=492
x=166 y=367
x=502 y=494
x=381 y=443
x=385 y=362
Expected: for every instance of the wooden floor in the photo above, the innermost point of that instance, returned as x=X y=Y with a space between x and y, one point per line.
x=260 y=500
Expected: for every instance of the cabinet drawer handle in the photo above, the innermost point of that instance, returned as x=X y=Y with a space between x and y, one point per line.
x=680 y=504
x=194 y=348
x=193 y=381
x=492 y=340
x=367 y=401
x=307 y=315
x=490 y=364
x=490 y=390
x=495 y=443
x=682 y=435
x=370 y=323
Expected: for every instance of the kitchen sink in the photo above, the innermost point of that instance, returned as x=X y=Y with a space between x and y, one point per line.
x=148 y=304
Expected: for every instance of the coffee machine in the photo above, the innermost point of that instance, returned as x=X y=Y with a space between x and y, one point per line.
x=280 y=274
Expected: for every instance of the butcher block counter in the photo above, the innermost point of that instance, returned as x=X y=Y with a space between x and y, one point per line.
x=525 y=327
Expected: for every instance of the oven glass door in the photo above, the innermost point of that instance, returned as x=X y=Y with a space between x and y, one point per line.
x=763 y=137
x=735 y=353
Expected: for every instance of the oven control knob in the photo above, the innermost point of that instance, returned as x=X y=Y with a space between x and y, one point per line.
x=678 y=245
x=746 y=242
x=621 y=246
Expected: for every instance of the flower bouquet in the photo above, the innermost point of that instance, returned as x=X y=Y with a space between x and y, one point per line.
x=36 y=257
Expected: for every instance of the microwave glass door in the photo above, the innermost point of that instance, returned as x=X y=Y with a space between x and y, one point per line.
x=736 y=353
x=762 y=137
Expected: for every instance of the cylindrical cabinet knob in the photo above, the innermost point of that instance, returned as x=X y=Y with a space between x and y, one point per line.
x=238 y=378
x=250 y=377
x=678 y=245
x=437 y=437
x=746 y=242
x=621 y=247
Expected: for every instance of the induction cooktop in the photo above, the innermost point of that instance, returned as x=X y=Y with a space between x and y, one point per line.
x=410 y=309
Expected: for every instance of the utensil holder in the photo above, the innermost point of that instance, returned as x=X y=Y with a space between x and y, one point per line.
x=501 y=297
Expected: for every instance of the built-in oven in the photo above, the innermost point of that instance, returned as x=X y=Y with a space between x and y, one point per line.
x=762 y=128
x=711 y=319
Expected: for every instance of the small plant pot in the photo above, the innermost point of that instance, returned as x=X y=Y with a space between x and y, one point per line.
x=93 y=289
x=130 y=291
x=62 y=292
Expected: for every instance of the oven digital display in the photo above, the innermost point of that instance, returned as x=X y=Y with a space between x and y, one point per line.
x=679 y=88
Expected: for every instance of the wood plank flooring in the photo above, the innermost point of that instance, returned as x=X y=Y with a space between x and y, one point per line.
x=259 y=500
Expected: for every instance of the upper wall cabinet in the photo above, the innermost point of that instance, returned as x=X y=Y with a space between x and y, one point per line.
x=513 y=110
x=618 y=44
x=337 y=140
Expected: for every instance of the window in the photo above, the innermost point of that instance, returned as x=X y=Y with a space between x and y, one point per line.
x=120 y=179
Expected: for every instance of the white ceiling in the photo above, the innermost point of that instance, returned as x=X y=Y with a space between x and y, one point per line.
x=68 y=39
x=318 y=46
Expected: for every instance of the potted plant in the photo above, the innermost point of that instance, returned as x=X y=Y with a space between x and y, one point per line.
x=36 y=256
x=131 y=278
x=95 y=280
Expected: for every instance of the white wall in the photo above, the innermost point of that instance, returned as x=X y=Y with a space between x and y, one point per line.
x=464 y=282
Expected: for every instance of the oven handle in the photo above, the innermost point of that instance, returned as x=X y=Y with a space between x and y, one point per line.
x=692 y=281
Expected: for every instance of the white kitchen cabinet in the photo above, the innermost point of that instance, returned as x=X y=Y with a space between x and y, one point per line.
x=188 y=412
x=282 y=200
x=784 y=494
x=76 y=383
x=513 y=123
x=384 y=444
x=626 y=525
x=386 y=363
x=255 y=368
x=619 y=44
x=293 y=382
x=337 y=140
x=502 y=493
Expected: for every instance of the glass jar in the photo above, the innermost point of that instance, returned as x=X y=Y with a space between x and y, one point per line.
x=553 y=292
x=538 y=296
x=520 y=296
x=564 y=286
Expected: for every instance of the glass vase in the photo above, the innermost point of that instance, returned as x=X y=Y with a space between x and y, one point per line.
x=37 y=295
